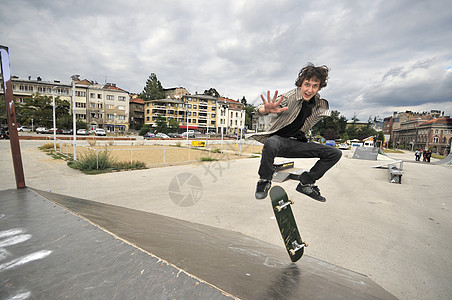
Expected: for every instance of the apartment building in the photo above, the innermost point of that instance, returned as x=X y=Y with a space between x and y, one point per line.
x=136 y=112
x=199 y=112
x=100 y=106
x=202 y=112
x=425 y=132
x=24 y=88
x=167 y=108
x=231 y=116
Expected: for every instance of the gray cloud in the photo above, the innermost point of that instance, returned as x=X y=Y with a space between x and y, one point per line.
x=383 y=56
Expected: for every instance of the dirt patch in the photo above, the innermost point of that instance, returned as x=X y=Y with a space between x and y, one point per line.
x=169 y=155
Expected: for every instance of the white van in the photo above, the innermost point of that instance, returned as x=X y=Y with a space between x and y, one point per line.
x=369 y=143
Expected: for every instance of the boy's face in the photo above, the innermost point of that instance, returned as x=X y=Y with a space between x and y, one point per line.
x=309 y=88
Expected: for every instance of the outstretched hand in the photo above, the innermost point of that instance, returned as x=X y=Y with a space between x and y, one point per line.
x=271 y=105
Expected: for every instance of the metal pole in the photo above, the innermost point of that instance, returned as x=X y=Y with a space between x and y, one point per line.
x=54 y=120
x=74 y=118
x=11 y=116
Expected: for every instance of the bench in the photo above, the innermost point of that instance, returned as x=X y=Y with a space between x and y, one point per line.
x=395 y=174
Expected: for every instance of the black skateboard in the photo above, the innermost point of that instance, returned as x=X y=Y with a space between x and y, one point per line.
x=286 y=222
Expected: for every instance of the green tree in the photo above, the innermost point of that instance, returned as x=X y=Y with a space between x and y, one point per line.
x=331 y=127
x=153 y=89
x=40 y=109
x=160 y=124
x=381 y=137
x=145 y=129
x=67 y=122
x=3 y=117
x=249 y=111
x=173 y=125
x=212 y=92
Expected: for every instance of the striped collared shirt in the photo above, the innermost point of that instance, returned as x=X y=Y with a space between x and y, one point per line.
x=294 y=101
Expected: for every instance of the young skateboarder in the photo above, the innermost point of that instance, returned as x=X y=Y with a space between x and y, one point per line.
x=292 y=116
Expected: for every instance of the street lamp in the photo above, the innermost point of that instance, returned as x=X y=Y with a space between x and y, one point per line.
x=54 y=119
x=224 y=111
x=114 y=124
x=74 y=118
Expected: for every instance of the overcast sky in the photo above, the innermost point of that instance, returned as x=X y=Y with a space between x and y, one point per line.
x=384 y=56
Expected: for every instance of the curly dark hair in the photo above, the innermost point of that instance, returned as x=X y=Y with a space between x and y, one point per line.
x=310 y=72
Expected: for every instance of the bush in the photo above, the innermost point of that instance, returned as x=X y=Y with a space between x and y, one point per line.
x=145 y=129
x=208 y=159
x=89 y=165
x=90 y=162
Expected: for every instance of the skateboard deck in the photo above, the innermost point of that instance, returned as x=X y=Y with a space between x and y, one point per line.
x=286 y=222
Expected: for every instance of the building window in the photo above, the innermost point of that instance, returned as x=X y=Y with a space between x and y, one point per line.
x=110 y=116
x=121 y=98
x=121 y=107
x=110 y=97
x=92 y=96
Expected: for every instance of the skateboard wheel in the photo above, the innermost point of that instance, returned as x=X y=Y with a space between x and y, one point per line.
x=306 y=244
x=291 y=201
x=278 y=208
x=292 y=252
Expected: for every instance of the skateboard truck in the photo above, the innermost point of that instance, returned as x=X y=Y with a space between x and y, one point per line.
x=283 y=205
x=297 y=247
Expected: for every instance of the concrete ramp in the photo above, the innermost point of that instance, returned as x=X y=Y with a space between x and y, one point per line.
x=112 y=252
x=447 y=161
x=367 y=153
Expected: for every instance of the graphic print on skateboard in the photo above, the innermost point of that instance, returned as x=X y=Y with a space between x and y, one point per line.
x=286 y=222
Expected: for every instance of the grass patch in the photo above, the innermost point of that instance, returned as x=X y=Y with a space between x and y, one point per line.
x=208 y=159
x=102 y=162
x=48 y=147
x=392 y=151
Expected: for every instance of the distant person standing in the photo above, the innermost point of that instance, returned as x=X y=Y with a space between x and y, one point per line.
x=417 y=154
x=429 y=155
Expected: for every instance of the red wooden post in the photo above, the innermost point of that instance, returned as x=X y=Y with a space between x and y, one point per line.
x=11 y=115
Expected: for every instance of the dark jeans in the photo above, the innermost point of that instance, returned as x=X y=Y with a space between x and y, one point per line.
x=276 y=146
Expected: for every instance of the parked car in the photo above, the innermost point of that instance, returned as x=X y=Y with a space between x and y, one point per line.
x=149 y=135
x=100 y=131
x=82 y=131
x=162 y=135
x=190 y=134
x=175 y=135
x=51 y=130
x=41 y=130
x=23 y=129
x=330 y=143
x=66 y=131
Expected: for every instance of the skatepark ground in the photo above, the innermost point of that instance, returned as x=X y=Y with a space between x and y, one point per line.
x=398 y=235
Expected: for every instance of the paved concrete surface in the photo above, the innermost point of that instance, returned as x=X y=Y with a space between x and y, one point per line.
x=93 y=258
x=399 y=235
x=48 y=253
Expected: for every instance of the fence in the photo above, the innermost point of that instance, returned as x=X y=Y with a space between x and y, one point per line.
x=154 y=156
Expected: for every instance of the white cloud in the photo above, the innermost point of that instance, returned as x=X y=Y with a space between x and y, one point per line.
x=383 y=55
